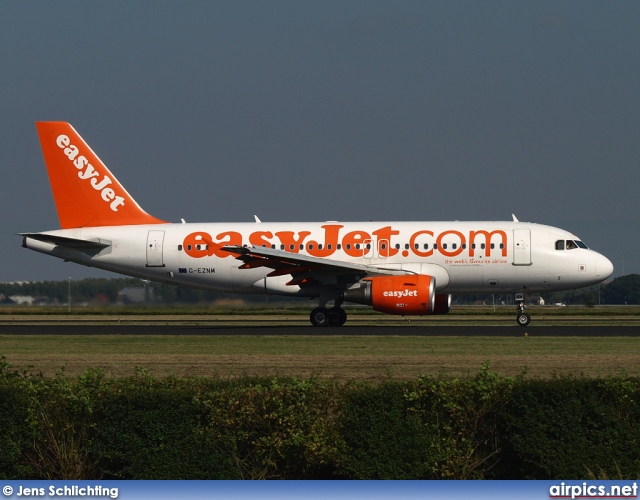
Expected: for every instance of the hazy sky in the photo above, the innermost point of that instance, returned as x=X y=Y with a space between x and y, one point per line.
x=333 y=110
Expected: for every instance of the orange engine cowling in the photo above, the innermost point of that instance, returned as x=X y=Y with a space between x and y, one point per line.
x=407 y=294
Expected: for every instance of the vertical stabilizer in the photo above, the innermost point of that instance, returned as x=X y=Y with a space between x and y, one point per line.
x=85 y=192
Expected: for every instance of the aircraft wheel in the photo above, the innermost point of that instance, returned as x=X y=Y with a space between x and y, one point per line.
x=523 y=319
x=320 y=316
x=337 y=316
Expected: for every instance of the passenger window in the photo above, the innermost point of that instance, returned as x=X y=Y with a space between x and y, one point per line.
x=493 y=245
x=281 y=247
x=454 y=246
x=397 y=246
x=444 y=245
x=310 y=246
x=179 y=248
x=319 y=246
x=291 y=247
x=426 y=246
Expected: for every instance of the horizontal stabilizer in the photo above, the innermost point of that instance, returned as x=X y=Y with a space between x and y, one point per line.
x=64 y=241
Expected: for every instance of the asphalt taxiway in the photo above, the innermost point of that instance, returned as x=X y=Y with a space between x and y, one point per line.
x=383 y=330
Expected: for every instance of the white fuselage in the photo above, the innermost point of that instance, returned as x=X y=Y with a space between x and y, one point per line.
x=464 y=257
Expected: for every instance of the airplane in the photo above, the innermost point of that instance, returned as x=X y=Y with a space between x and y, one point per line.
x=403 y=268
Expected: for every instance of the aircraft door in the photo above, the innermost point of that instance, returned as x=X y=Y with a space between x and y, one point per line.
x=375 y=251
x=521 y=247
x=155 y=241
x=368 y=251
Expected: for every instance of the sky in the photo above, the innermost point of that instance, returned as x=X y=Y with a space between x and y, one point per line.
x=214 y=111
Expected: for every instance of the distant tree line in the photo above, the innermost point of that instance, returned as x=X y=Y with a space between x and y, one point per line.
x=96 y=291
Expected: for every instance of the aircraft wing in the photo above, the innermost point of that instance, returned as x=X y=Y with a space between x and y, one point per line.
x=305 y=269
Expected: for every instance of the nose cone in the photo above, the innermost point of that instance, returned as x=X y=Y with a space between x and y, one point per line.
x=604 y=267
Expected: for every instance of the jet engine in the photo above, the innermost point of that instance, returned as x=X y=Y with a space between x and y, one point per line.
x=410 y=294
x=442 y=304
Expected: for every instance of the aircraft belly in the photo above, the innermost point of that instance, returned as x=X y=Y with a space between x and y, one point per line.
x=466 y=278
x=277 y=285
x=243 y=279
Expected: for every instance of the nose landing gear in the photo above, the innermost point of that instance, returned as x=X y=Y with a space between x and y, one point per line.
x=523 y=318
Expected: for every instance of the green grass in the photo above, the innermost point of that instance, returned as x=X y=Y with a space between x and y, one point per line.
x=343 y=357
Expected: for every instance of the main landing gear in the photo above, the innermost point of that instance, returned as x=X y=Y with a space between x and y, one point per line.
x=333 y=316
x=322 y=316
x=523 y=318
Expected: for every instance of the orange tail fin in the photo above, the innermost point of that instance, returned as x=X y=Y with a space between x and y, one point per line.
x=85 y=192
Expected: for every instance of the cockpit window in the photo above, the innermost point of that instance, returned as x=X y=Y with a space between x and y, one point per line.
x=571 y=245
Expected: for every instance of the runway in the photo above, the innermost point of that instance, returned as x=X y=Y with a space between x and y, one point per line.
x=384 y=330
